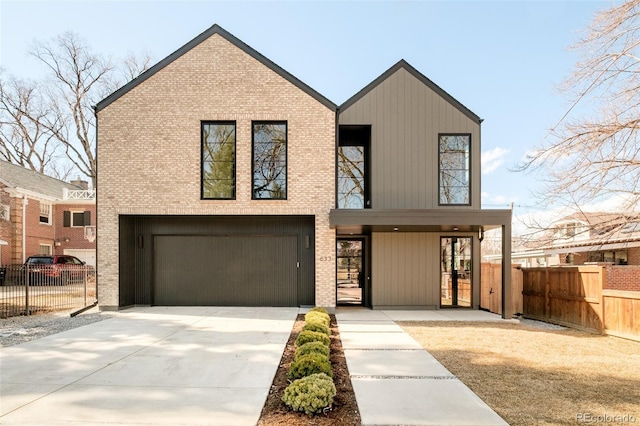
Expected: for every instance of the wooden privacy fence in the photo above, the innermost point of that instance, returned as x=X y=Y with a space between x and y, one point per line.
x=622 y=313
x=574 y=297
x=491 y=288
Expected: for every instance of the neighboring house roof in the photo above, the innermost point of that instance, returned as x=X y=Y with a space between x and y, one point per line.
x=215 y=29
x=18 y=177
x=402 y=64
x=604 y=231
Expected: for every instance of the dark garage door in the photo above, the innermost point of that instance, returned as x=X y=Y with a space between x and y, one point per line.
x=234 y=270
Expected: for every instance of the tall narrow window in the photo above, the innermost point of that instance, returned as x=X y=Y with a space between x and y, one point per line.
x=45 y=213
x=353 y=163
x=454 y=185
x=219 y=160
x=269 y=160
x=351 y=177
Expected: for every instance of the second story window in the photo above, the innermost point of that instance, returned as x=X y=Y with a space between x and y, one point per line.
x=454 y=173
x=269 y=160
x=218 y=160
x=45 y=213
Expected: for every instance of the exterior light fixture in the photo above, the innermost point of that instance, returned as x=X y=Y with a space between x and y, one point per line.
x=395 y=229
x=455 y=228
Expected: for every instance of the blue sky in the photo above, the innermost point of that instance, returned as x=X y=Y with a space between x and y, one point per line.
x=501 y=59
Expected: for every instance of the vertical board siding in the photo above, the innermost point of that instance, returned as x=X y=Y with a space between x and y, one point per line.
x=143 y=290
x=406 y=270
x=406 y=117
x=225 y=270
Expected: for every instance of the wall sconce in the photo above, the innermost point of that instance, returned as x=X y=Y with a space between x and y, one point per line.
x=481 y=234
x=395 y=229
x=66 y=239
x=57 y=243
x=455 y=228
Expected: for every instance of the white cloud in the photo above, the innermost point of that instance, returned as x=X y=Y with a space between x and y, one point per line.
x=492 y=159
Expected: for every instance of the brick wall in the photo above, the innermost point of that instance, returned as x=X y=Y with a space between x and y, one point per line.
x=149 y=150
x=633 y=256
x=75 y=234
x=623 y=278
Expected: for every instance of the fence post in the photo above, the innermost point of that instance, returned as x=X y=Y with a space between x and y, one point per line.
x=86 y=277
x=547 y=301
x=26 y=291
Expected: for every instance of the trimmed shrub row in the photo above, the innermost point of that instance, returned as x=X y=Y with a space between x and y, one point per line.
x=312 y=389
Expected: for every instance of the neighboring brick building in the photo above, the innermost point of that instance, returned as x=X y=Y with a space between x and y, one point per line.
x=225 y=180
x=42 y=203
x=595 y=237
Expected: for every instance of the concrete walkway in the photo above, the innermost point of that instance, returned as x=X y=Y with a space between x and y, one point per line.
x=396 y=381
x=160 y=366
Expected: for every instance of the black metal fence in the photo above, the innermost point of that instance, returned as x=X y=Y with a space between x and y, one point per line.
x=28 y=289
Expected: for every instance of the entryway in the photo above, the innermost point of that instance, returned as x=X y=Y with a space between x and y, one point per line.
x=455 y=274
x=350 y=272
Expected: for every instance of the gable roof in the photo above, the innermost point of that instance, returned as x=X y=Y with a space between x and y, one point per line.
x=402 y=64
x=215 y=29
x=15 y=176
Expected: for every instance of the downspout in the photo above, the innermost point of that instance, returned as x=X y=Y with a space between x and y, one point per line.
x=25 y=201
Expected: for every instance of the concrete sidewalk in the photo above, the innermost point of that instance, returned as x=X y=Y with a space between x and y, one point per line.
x=160 y=366
x=396 y=381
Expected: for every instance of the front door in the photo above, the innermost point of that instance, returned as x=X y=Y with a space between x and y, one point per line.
x=455 y=274
x=350 y=271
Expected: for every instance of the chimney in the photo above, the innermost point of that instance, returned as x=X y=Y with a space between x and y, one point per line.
x=80 y=183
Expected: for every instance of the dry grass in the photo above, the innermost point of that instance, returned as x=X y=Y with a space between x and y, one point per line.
x=534 y=376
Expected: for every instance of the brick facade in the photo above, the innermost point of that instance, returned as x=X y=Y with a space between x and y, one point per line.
x=150 y=151
x=623 y=278
x=37 y=234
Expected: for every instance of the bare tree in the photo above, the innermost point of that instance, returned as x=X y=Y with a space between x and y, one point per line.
x=49 y=126
x=593 y=152
x=25 y=139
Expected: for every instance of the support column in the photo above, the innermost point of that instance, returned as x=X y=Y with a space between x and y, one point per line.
x=507 y=304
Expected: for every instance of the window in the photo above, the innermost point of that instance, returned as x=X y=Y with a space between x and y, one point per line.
x=351 y=177
x=45 y=249
x=218 y=160
x=353 y=167
x=269 y=158
x=76 y=218
x=454 y=186
x=45 y=213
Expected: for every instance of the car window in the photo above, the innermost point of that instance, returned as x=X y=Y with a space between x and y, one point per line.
x=40 y=260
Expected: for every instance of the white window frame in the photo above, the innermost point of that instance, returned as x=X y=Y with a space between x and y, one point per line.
x=45 y=212
x=48 y=249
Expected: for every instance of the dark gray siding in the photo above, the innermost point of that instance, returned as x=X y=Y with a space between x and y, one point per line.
x=139 y=233
x=249 y=270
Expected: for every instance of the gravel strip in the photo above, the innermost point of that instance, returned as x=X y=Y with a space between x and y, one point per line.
x=21 y=329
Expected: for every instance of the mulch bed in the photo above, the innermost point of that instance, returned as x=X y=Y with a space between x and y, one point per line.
x=344 y=410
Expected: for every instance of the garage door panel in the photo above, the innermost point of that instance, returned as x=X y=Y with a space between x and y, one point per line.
x=245 y=270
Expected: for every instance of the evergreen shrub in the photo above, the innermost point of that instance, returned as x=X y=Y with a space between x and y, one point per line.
x=312 y=348
x=316 y=326
x=307 y=336
x=310 y=394
x=317 y=317
x=310 y=364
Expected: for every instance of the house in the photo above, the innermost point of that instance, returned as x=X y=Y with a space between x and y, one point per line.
x=225 y=180
x=43 y=215
x=594 y=237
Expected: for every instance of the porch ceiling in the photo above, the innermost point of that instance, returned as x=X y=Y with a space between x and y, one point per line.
x=347 y=221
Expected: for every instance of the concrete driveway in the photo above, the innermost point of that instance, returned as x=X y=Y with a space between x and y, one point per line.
x=175 y=366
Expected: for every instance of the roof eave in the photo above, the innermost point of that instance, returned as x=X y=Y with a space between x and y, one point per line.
x=215 y=29
x=417 y=74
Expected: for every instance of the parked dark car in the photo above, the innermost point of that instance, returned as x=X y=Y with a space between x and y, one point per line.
x=58 y=269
